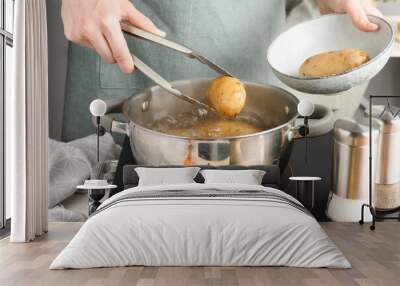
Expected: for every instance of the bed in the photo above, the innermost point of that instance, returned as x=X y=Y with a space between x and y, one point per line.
x=201 y=224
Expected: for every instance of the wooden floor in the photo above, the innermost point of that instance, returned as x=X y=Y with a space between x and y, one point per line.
x=375 y=257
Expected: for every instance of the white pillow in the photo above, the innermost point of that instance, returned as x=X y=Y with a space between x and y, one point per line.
x=166 y=176
x=247 y=177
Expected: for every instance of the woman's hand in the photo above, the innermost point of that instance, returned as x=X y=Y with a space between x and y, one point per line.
x=357 y=10
x=95 y=24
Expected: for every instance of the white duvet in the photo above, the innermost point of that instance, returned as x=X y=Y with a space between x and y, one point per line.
x=189 y=231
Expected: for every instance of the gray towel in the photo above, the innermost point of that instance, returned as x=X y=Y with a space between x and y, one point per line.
x=73 y=162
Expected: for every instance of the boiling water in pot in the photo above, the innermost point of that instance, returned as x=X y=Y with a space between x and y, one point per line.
x=226 y=95
x=188 y=124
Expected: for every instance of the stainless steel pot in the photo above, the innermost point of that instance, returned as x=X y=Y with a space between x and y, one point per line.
x=270 y=105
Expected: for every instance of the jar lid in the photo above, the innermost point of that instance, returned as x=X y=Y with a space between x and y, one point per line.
x=351 y=133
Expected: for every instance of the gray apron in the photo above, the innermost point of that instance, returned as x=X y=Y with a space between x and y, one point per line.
x=233 y=33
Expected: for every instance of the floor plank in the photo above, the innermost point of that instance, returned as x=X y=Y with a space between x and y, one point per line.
x=375 y=257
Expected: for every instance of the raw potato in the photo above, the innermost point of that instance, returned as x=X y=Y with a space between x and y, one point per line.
x=227 y=96
x=332 y=63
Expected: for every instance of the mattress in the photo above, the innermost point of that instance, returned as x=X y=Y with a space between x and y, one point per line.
x=201 y=225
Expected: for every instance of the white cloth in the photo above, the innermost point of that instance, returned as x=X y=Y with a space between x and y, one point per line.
x=209 y=230
x=27 y=123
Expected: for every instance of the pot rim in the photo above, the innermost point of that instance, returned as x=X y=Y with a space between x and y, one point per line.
x=207 y=139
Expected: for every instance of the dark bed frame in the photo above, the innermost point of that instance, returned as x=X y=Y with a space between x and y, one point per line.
x=270 y=179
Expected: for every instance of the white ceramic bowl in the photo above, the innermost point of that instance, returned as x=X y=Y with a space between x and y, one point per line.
x=328 y=33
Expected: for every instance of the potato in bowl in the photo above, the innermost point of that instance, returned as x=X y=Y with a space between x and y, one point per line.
x=333 y=32
x=333 y=62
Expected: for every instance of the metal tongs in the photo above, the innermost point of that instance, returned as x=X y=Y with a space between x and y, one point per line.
x=159 y=80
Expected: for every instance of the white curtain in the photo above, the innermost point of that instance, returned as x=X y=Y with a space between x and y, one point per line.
x=27 y=124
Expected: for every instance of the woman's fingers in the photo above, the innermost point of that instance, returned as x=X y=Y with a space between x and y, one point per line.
x=95 y=24
x=111 y=29
x=359 y=16
x=98 y=43
x=358 y=10
x=136 y=18
x=85 y=43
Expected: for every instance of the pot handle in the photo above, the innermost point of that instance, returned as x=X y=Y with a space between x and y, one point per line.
x=115 y=105
x=320 y=122
x=107 y=122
